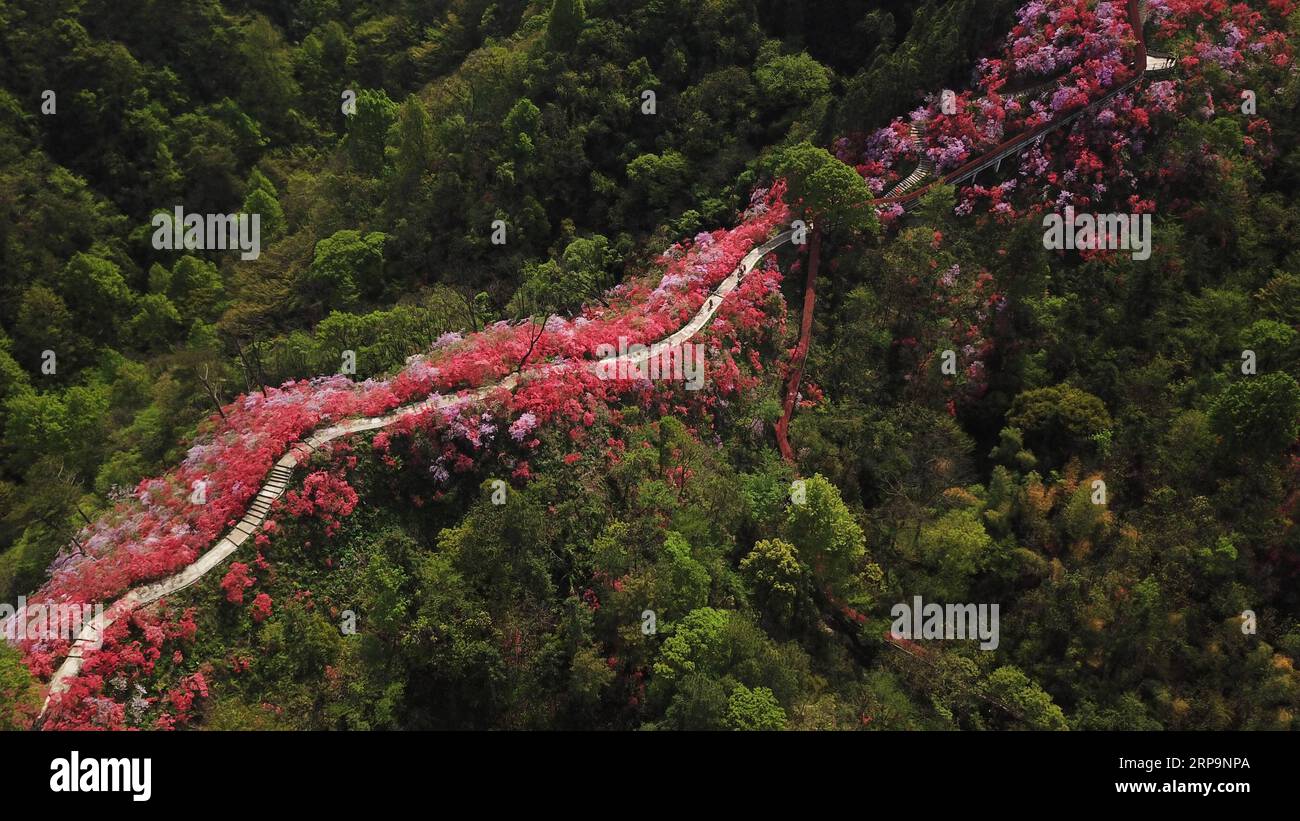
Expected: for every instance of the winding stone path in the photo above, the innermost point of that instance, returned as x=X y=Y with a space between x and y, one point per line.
x=909 y=191
x=277 y=480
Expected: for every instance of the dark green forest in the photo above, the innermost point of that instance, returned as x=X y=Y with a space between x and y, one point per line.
x=376 y=234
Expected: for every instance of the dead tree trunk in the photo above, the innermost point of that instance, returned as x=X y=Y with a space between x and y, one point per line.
x=244 y=367
x=533 y=340
x=800 y=354
x=212 y=391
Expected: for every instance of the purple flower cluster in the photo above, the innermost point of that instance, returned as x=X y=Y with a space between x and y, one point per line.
x=523 y=426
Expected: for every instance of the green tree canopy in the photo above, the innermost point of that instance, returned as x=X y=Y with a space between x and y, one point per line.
x=1258 y=414
x=1059 y=416
x=825 y=533
x=755 y=709
x=345 y=265
x=831 y=194
x=566 y=21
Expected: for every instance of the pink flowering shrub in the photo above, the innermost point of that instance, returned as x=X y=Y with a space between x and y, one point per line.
x=261 y=607
x=881 y=157
x=1063 y=55
x=235 y=582
x=160 y=530
x=182 y=700
x=107 y=695
x=1095 y=160
x=324 y=495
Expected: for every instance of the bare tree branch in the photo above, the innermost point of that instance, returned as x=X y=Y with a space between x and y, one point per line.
x=205 y=379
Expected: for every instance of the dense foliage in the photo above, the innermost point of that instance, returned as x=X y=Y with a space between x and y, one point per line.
x=578 y=552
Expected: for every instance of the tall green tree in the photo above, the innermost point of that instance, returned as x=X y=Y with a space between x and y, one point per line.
x=566 y=21
x=828 y=539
